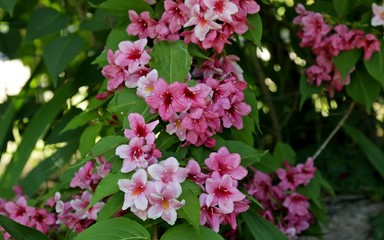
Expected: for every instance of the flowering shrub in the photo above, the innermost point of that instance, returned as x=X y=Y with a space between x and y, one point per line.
x=170 y=140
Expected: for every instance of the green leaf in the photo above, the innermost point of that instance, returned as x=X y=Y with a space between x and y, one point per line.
x=260 y=228
x=306 y=90
x=120 y=8
x=47 y=168
x=115 y=229
x=346 y=61
x=363 y=89
x=187 y=232
x=8 y=5
x=37 y=127
x=108 y=186
x=312 y=190
x=113 y=205
x=267 y=164
x=172 y=60
x=10 y=42
x=59 y=53
x=248 y=154
x=250 y=98
x=164 y=141
x=79 y=121
x=87 y=138
x=283 y=152
x=117 y=35
x=20 y=232
x=45 y=21
x=100 y=20
x=191 y=210
x=343 y=7
x=195 y=51
x=255 y=29
x=126 y=101
x=374 y=154
x=375 y=65
x=245 y=134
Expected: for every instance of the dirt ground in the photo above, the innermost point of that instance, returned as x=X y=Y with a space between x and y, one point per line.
x=349 y=218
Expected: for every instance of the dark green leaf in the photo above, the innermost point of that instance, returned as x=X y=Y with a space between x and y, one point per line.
x=87 y=138
x=20 y=232
x=245 y=134
x=8 y=5
x=172 y=60
x=79 y=120
x=346 y=61
x=343 y=7
x=120 y=8
x=47 y=168
x=191 y=210
x=108 y=186
x=195 y=51
x=113 y=205
x=99 y=21
x=114 y=229
x=312 y=190
x=377 y=224
x=255 y=29
x=306 y=90
x=283 y=152
x=372 y=152
x=375 y=65
x=60 y=52
x=250 y=98
x=39 y=124
x=260 y=228
x=126 y=101
x=363 y=89
x=117 y=35
x=267 y=164
x=10 y=42
x=187 y=232
x=45 y=21
x=164 y=141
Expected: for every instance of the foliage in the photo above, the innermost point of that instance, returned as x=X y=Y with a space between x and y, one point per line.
x=288 y=112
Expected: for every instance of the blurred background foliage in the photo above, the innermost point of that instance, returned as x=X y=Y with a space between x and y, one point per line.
x=61 y=40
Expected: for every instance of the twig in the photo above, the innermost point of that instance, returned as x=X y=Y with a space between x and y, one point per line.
x=342 y=121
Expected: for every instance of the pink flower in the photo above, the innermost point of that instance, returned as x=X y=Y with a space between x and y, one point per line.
x=103 y=167
x=239 y=207
x=289 y=177
x=140 y=129
x=314 y=30
x=174 y=127
x=134 y=190
x=226 y=163
x=233 y=116
x=42 y=219
x=194 y=172
x=223 y=9
x=19 y=211
x=371 y=45
x=203 y=21
x=296 y=204
x=210 y=215
x=115 y=73
x=222 y=191
x=81 y=204
x=146 y=84
x=163 y=99
x=135 y=75
x=176 y=13
x=142 y=25
x=196 y=96
x=164 y=204
x=132 y=54
x=378 y=18
x=248 y=6
x=306 y=171
x=84 y=178
x=134 y=155
x=168 y=172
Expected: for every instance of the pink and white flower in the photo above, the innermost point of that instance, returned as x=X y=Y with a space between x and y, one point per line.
x=378 y=17
x=140 y=129
x=203 y=21
x=135 y=190
x=132 y=54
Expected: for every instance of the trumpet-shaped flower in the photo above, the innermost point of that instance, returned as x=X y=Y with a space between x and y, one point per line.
x=140 y=129
x=134 y=190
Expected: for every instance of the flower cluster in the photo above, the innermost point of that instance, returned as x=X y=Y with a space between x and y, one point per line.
x=74 y=213
x=127 y=64
x=155 y=197
x=208 y=23
x=276 y=192
x=327 y=42
x=19 y=211
x=220 y=201
x=195 y=113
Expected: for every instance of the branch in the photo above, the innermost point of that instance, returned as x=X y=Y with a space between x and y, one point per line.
x=342 y=121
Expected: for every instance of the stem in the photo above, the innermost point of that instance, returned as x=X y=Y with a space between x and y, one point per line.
x=342 y=121
x=155 y=234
